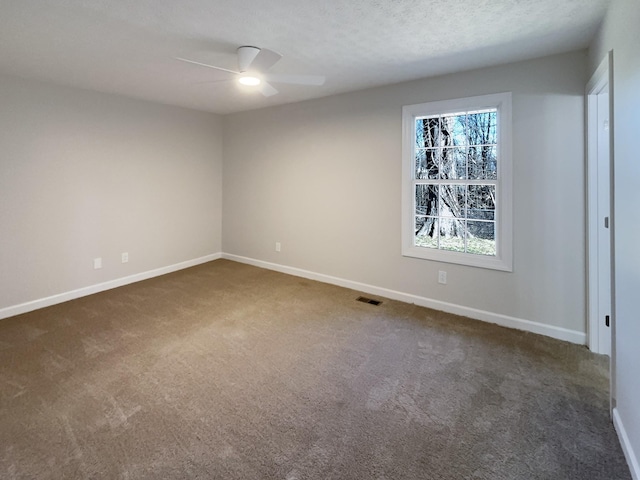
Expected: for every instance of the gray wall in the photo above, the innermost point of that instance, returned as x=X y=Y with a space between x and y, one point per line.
x=621 y=32
x=323 y=177
x=86 y=175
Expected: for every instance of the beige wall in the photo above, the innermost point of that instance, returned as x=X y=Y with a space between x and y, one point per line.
x=89 y=175
x=86 y=175
x=323 y=177
x=621 y=33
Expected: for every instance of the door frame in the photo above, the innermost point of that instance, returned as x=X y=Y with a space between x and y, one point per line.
x=602 y=78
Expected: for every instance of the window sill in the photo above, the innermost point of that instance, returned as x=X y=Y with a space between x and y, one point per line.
x=470 y=260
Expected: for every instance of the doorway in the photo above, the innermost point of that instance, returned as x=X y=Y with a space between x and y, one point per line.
x=599 y=208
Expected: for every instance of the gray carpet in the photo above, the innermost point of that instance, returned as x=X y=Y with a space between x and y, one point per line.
x=233 y=372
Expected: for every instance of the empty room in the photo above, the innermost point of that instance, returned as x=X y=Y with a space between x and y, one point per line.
x=319 y=240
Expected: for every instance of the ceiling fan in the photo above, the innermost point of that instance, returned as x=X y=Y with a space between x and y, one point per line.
x=253 y=62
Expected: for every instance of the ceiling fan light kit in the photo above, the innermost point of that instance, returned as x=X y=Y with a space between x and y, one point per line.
x=249 y=80
x=253 y=62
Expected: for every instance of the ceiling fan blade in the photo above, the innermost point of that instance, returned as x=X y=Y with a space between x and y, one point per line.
x=264 y=60
x=267 y=89
x=226 y=80
x=206 y=65
x=295 y=79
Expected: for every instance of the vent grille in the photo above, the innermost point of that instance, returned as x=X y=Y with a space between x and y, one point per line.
x=370 y=301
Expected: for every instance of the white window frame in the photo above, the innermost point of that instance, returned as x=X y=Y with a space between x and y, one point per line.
x=503 y=260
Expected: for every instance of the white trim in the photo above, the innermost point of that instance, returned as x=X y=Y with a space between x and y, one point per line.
x=100 y=287
x=600 y=77
x=559 y=333
x=504 y=220
x=629 y=454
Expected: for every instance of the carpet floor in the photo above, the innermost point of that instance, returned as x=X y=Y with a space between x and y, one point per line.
x=234 y=372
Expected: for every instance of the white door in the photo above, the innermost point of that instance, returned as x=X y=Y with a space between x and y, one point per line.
x=600 y=223
x=604 y=218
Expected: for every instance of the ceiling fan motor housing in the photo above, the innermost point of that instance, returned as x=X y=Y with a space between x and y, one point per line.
x=246 y=56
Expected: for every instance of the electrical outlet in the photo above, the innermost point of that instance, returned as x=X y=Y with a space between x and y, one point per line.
x=125 y=257
x=442 y=277
x=278 y=246
x=97 y=263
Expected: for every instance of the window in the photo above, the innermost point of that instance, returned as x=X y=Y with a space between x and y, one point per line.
x=457 y=181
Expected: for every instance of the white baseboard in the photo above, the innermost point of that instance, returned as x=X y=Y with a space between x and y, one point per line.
x=499 y=319
x=559 y=333
x=629 y=454
x=100 y=287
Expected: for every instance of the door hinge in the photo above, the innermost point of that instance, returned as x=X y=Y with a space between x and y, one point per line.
x=606 y=320
x=606 y=222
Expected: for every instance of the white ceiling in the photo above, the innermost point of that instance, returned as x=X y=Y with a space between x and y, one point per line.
x=128 y=46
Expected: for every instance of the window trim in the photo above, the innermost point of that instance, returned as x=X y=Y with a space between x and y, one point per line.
x=503 y=260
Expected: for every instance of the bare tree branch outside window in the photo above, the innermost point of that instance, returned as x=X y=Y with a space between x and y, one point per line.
x=456 y=167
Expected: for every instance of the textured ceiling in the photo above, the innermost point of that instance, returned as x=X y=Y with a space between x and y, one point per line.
x=128 y=47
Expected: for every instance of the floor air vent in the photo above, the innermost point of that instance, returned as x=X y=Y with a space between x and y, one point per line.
x=369 y=300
